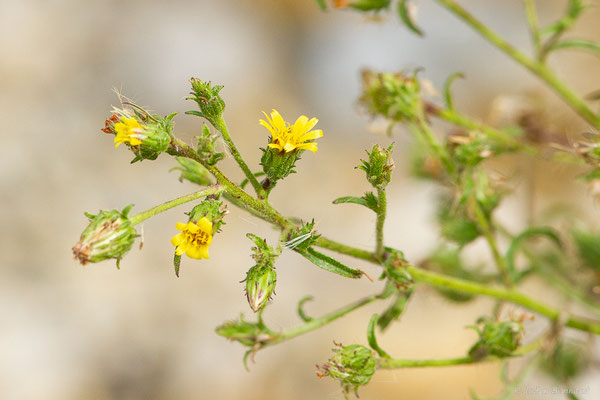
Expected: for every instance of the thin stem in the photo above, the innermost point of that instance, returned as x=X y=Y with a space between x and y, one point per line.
x=144 y=215
x=511 y=295
x=317 y=323
x=461 y=285
x=381 y=213
x=534 y=24
x=422 y=127
x=248 y=202
x=484 y=225
x=534 y=66
x=393 y=363
x=222 y=127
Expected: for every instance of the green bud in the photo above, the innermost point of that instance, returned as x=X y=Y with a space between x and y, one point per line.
x=496 y=338
x=353 y=366
x=261 y=278
x=567 y=359
x=395 y=270
x=302 y=237
x=108 y=235
x=207 y=144
x=393 y=96
x=209 y=101
x=247 y=333
x=260 y=285
x=212 y=209
x=379 y=166
x=278 y=164
x=193 y=171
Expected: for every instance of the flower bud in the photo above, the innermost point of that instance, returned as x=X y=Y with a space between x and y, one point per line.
x=108 y=235
x=353 y=366
x=207 y=146
x=260 y=285
x=212 y=209
x=393 y=96
x=193 y=171
x=567 y=359
x=496 y=338
x=209 y=101
x=379 y=166
x=247 y=333
x=261 y=278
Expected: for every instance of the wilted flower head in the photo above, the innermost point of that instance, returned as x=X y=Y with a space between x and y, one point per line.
x=353 y=366
x=109 y=234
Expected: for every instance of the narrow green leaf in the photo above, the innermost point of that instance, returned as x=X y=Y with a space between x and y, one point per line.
x=177 y=264
x=395 y=310
x=245 y=181
x=322 y=5
x=329 y=264
x=370 y=5
x=577 y=44
x=196 y=113
x=373 y=339
x=594 y=95
x=447 y=86
x=301 y=312
x=574 y=11
x=369 y=200
x=406 y=17
x=515 y=244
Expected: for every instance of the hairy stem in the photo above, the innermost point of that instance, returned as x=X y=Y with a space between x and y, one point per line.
x=484 y=225
x=381 y=213
x=536 y=67
x=222 y=127
x=317 y=323
x=144 y=215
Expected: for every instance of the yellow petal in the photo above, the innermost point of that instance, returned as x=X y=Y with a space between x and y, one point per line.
x=278 y=121
x=179 y=251
x=275 y=146
x=298 y=128
x=311 y=135
x=205 y=225
x=178 y=239
x=288 y=147
x=180 y=225
x=311 y=124
x=309 y=146
x=266 y=125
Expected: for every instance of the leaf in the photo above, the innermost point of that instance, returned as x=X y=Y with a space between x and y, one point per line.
x=404 y=12
x=329 y=264
x=515 y=244
x=395 y=310
x=369 y=200
x=245 y=181
x=574 y=10
x=370 y=5
x=322 y=5
x=300 y=309
x=177 y=264
x=577 y=44
x=447 y=85
x=372 y=339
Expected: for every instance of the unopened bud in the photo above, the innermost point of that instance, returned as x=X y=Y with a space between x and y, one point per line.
x=108 y=235
x=393 y=96
x=353 y=366
x=379 y=166
x=209 y=101
x=497 y=338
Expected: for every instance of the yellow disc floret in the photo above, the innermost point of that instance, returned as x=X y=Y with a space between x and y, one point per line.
x=128 y=131
x=194 y=238
x=286 y=138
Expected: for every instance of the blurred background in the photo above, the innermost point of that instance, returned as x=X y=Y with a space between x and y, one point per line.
x=95 y=332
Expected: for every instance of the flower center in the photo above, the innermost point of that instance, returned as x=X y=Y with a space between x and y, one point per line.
x=198 y=238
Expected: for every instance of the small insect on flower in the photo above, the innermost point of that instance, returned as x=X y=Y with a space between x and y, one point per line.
x=287 y=138
x=129 y=131
x=194 y=239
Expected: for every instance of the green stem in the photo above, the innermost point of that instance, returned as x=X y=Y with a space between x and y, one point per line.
x=534 y=24
x=461 y=285
x=536 y=67
x=484 y=225
x=144 y=215
x=222 y=127
x=422 y=127
x=259 y=207
x=511 y=295
x=317 y=323
x=392 y=363
x=381 y=213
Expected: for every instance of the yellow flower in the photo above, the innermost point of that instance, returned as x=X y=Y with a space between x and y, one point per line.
x=128 y=131
x=194 y=238
x=285 y=137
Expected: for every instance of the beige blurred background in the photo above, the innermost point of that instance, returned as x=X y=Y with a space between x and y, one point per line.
x=95 y=332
